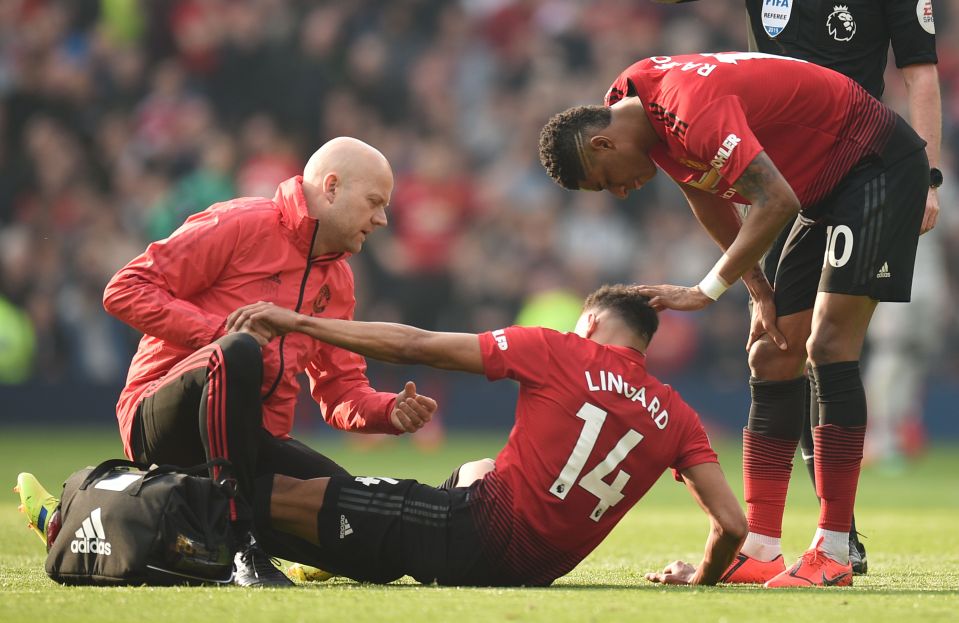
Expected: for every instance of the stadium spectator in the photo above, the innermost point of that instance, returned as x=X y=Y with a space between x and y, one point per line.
x=432 y=203
x=195 y=393
x=854 y=173
x=593 y=432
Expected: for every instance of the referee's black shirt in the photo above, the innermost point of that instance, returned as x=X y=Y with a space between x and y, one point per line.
x=851 y=37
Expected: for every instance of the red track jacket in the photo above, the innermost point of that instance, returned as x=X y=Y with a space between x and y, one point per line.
x=180 y=291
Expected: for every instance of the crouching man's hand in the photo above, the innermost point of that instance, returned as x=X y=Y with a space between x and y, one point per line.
x=412 y=411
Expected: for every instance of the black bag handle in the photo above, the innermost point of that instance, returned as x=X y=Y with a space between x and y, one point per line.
x=197 y=470
x=109 y=465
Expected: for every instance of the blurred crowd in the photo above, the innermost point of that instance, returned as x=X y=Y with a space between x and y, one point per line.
x=119 y=119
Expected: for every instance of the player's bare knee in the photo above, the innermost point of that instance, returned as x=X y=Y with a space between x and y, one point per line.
x=473 y=471
x=769 y=363
x=827 y=345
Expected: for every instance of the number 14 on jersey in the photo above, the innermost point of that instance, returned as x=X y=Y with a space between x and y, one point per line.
x=609 y=495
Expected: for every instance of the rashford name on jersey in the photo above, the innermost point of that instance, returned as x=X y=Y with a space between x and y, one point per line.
x=615 y=383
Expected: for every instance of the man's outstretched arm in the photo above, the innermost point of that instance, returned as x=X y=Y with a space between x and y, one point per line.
x=707 y=484
x=393 y=343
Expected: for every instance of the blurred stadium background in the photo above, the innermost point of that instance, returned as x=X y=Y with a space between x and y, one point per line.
x=118 y=119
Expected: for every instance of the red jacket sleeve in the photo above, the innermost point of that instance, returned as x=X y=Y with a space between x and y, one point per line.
x=152 y=292
x=339 y=385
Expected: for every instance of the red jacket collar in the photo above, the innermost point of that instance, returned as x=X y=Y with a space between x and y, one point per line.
x=295 y=216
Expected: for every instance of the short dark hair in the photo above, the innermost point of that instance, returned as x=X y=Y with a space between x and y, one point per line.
x=626 y=303
x=557 y=142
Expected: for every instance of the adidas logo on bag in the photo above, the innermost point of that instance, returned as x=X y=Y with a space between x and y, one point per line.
x=884 y=271
x=91 y=538
x=345 y=529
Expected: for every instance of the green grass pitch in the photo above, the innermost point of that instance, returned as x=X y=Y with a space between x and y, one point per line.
x=911 y=520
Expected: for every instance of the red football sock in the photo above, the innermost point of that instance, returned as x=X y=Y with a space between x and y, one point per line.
x=838 y=460
x=767 y=465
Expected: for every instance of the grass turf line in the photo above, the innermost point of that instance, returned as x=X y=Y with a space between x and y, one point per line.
x=909 y=520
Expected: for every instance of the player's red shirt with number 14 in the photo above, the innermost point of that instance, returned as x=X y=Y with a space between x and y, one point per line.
x=716 y=112
x=593 y=432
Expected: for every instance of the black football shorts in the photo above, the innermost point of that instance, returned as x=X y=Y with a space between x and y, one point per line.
x=861 y=240
x=380 y=529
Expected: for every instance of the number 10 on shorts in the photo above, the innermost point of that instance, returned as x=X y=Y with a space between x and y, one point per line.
x=609 y=495
x=832 y=238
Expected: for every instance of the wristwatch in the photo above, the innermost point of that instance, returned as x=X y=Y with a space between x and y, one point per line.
x=935 y=178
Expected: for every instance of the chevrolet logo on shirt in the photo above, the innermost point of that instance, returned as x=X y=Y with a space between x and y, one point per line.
x=729 y=144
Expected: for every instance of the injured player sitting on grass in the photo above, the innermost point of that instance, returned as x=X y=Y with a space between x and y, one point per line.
x=594 y=431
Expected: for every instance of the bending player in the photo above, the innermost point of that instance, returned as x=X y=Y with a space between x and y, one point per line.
x=593 y=433
x=854 y=178
x=854 y=37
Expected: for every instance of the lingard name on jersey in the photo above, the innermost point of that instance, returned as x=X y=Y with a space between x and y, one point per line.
x=610 y=382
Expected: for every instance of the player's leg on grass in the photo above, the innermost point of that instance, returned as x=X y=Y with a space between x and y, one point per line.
x=770 y=264
x=289 y=457
x=807 y=448
x=777 y=388
x=378 y=529
x=769 y=443
x=838 y=330
x=294 y=505
x=873 y=233
x=795 y=281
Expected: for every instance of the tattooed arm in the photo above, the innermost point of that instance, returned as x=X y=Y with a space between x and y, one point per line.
x=774 y=204
x=722 y=221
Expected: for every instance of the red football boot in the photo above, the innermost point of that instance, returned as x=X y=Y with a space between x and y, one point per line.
x=814 y=568
x=748 y=570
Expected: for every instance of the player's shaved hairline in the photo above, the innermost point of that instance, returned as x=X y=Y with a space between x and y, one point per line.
x=563 y=143
x=584 y=160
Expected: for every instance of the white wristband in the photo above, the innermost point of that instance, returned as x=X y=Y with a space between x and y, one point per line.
x=712 y=284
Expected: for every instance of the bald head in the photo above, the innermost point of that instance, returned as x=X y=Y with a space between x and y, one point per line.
x=345 y=156
x=347 y=185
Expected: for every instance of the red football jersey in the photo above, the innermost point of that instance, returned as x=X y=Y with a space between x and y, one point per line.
x=716 y=112
x=593 y=432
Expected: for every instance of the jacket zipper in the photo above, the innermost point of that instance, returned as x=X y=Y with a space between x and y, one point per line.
x=299 y=303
